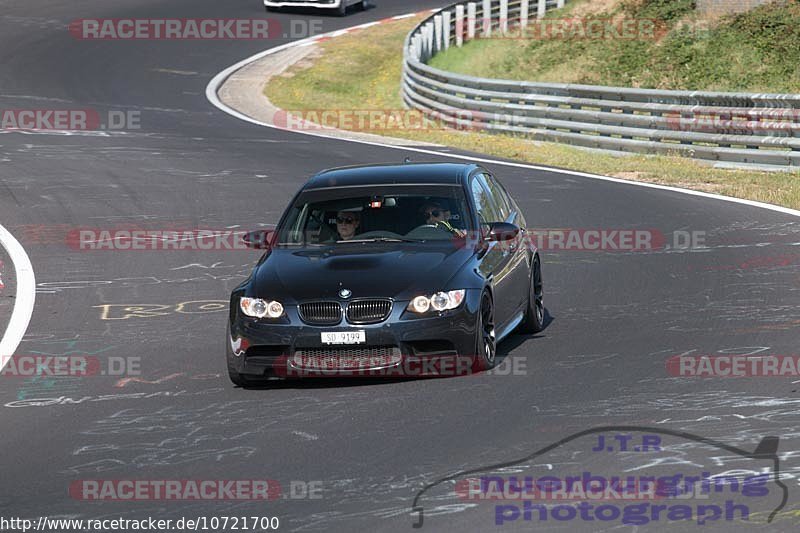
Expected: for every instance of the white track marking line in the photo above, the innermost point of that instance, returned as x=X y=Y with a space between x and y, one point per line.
x=217 y=81
x=26 y=296
x=367 y=25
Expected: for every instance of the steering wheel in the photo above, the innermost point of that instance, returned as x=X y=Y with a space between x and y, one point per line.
x=426 y=230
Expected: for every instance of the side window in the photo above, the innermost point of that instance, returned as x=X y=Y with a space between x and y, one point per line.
x=480 y=197
x=488 y=209
x=504 y=204
x=519 y=220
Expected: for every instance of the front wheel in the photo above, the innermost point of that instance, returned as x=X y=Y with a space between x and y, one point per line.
x=342 y=9
x=485 y=340
x=534 y=313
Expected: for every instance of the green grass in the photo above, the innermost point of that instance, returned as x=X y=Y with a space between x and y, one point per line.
x=756 y=51
x=362 y=71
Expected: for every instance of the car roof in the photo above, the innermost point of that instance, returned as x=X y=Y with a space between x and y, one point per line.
x=406 y=174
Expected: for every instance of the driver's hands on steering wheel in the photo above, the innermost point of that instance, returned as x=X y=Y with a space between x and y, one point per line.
x=449 y=228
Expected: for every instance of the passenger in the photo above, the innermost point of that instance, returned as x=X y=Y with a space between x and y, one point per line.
x=347 y=222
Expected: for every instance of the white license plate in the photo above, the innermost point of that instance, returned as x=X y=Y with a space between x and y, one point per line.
x=344 y=337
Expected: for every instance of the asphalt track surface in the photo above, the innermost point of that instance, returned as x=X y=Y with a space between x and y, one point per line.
x=615 y=317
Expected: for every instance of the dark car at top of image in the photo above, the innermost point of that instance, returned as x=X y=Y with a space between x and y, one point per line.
x=412 y=269
x=338 y=7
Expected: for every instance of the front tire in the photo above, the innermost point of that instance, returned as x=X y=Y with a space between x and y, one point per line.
x=534 y=313
x=485 y=338
x=342 y=9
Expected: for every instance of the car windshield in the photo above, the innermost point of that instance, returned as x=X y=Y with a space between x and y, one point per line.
x=376 y=214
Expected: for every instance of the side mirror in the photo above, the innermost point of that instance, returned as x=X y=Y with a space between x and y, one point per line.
x=259 y=239
x=502 y=231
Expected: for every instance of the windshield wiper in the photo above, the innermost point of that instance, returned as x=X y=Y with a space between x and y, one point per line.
x=381 y=239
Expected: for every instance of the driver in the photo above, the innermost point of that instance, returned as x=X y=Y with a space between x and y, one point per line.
x=438 y=214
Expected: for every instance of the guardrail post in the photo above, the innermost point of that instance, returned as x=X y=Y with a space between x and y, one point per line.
x=432 y=49
x=541 y=9
x=459 y=25
x=437 y=40
x=428 y=36
x=472 y=9
x=487 y=18
x=523 y=14
x=503 y=16
x=416 y=47
x=559 y=4
x=446 y=29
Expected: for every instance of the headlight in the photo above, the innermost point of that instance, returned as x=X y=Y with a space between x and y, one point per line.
x=441 y=301
x=420 y=304
x=258 y=308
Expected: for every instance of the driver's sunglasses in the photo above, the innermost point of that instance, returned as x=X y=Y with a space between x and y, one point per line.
x=435 y=213
x=345 y=220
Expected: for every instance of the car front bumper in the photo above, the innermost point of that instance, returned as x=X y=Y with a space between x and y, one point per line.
x=402 y=345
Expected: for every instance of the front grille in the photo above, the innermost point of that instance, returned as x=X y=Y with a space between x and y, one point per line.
x=322 y=313
x=346 y=358
x=368 y=311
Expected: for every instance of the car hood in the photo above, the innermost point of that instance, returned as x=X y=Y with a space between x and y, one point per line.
x=367 y=270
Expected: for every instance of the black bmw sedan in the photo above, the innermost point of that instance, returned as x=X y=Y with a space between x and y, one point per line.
x=413 y=269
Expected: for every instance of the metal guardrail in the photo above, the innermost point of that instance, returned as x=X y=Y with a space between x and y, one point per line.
x=740 y=128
